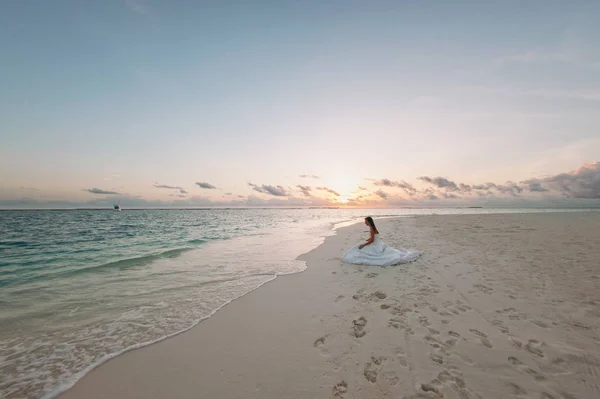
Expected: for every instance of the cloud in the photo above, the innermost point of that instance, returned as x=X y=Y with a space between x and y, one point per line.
x=407 y=187
x=329 y=191
x=440 y=182
x=167 y=187
x=583 y=183
x=205 y=185
x=534 y=186
x=509 y=188
x=381 y=194
x=384 y=182
x=100 y=191
x=482 y=186
x=277 y=191
x=361 y=188
x=309 y=176
x=449 y=195
x=305 y=190
x=464 y=188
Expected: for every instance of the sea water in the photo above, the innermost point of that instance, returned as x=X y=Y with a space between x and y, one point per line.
x=79 y=287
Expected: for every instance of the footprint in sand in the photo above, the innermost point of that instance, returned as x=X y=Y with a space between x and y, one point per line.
x=340 y=388
x=400 y=325
x=462 y=306
x=401 y=356
x=482 y=337
x=377 y=295
x=484 y=289
x=464 y=358
x=371 y=369
x=500 y=326
x=534 y=346
x=339 y=298
x=359 y=294
x=517 y=390
x=443 y=346
x=371 y=275
x=400 y=310
x=358 y=329
x=452 y=378
x=423 y=320
x=520 y=366
x=539 y=323
x=512 y=313
x=431 y=388
x=478 y=333
x=437 y=358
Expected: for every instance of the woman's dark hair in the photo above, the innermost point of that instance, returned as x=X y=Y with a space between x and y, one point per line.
x=369 y=220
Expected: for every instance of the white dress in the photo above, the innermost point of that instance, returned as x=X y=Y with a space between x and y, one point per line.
x=379 y=254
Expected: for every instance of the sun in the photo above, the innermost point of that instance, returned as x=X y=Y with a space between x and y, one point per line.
x=344 y=198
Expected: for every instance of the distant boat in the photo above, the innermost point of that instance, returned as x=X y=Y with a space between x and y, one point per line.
x=117 y=207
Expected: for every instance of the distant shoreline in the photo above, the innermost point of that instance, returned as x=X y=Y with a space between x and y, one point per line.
x=287 y=208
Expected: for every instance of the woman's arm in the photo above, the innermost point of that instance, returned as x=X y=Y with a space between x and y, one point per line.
x=369 y=241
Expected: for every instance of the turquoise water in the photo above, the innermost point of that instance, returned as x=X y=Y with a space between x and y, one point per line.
x=80 y=287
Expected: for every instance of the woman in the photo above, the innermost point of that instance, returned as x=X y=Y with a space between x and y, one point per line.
x=374 y=251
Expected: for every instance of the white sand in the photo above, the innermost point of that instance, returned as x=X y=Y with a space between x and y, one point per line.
x=499 y=306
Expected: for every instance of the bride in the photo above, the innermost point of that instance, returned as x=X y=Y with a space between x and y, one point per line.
x=376 y=253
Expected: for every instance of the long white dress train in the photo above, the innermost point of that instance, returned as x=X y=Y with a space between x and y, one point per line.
x=379 y=254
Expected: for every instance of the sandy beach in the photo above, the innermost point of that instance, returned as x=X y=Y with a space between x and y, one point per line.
x=498 y=306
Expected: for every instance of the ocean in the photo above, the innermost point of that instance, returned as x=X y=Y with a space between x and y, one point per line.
x=78 y=287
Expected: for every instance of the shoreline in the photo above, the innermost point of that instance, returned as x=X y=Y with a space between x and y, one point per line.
x=303 y=336
x=68 y=392
x=77 y=378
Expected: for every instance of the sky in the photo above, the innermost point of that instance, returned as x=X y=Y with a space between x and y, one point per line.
x=153 y=103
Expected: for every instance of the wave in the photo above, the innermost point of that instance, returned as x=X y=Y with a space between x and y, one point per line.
x=13 y=244
x=76 y=377
x=128 y=263
x=122 y=264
